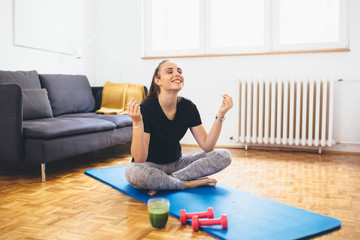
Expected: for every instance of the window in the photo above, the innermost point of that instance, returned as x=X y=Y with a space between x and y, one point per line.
x=220 y=27
x=172 y=23
x=310 y=24
x=173 y=27
x=236 y=26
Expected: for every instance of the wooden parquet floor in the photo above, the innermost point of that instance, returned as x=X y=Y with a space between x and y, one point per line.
x=71 y=205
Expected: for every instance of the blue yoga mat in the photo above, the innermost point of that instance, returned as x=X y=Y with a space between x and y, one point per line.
x=249 y=216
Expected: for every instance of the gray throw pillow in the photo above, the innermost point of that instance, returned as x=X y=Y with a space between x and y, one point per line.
x=68 y=93
x=36 y=104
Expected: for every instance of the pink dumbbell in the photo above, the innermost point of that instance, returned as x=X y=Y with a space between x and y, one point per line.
x=184 y=215
x=196 y=222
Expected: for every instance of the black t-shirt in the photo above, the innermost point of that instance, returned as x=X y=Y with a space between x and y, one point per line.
x=165 y=134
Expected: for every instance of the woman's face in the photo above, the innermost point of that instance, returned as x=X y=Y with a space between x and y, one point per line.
x=170 y=77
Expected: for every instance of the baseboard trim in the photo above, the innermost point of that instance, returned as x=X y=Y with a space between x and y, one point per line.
x=336 y=150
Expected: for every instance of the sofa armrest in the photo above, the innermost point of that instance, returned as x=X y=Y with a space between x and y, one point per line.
x=97 y=92
x=11 y=118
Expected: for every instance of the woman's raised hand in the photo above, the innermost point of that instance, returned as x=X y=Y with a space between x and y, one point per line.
x=134 y=112
x=227 y=103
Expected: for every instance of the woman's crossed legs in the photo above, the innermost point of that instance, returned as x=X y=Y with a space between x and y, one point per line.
x=187 y=172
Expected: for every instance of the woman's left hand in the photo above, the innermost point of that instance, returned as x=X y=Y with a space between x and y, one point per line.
x=227 y=104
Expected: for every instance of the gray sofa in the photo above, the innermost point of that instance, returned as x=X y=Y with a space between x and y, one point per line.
x=47 y=117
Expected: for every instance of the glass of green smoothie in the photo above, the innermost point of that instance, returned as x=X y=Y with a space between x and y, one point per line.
x=158 y=212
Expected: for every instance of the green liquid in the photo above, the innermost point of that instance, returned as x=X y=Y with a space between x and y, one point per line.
x=159 y=215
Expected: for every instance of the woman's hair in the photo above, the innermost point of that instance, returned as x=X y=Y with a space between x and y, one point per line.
x=154 y=88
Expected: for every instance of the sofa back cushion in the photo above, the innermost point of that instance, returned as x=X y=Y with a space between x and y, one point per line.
x=68 y=93
x=25 y=79
x=36 y=104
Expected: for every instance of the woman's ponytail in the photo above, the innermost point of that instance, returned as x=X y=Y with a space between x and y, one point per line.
x=154 y=88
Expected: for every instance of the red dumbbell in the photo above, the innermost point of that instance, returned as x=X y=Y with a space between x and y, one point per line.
x=196 y=222
x=184 y=215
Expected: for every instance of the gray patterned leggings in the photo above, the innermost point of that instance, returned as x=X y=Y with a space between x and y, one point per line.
x=154 y=176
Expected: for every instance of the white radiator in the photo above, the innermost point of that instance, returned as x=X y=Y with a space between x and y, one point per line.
x=286 y=111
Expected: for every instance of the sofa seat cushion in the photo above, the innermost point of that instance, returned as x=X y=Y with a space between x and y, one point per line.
x=48 y=128
x=68 y=93
x=119 y=120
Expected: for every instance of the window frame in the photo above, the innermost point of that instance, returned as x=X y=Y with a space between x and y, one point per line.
x=271 y=35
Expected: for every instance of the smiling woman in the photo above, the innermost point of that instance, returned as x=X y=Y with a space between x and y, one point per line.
x=171 y=79
x=159 y=123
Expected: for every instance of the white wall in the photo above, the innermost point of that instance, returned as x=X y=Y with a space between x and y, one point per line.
x=119 y=24
x=23 y=58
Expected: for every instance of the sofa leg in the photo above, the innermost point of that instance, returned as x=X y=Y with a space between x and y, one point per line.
x=43 y=175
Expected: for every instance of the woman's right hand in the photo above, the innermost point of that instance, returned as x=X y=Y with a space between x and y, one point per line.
x=134 y=112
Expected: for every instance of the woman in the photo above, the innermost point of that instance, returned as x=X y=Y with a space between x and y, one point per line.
x=159 y=123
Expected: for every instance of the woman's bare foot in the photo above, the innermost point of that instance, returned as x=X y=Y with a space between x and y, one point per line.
x=211 y=182
x=152 y=192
